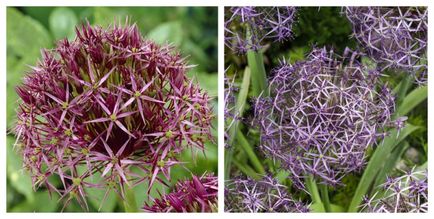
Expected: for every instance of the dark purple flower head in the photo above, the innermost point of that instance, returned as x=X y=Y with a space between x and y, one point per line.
x=196 y=195
x=406 y=193
x=394 y=37
x=322 y=115
x=265 y=195
x=104 y=103
x=247 y=27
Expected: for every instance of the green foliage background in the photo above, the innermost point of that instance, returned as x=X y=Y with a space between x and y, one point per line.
x=29 y=29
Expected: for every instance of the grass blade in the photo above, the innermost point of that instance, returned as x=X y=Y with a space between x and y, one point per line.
x=312 y=188
x=391 y=162
x=259 y=77
x=325 y=197
x=377 y=162
x=239 y=107
x=250 y=153
x=413 y=99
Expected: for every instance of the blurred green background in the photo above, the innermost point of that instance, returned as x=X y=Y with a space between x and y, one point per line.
x=192 y=29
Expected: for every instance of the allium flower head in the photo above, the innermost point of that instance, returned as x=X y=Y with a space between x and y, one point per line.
x=407 y=193
x=265 y=195
x=105 y=102
x=196 y=195
x=395 y=37
x=247 y=27
x=322 y=115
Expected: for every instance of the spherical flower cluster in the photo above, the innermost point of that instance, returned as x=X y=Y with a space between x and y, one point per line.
x=407 y=193
x=196 y=195
x=395 y=37
x=322 y=115
x=247 y=27
x=265 y=195
x=104 y=103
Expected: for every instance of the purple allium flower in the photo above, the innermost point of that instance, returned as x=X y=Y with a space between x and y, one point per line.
x=406 y=193
x=265 y=195
x=395 y=37
x=196 y=195
x=104 y=103
x=247 y=27
x=322 y=115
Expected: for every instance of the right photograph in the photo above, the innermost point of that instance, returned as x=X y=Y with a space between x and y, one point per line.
x=326 y=109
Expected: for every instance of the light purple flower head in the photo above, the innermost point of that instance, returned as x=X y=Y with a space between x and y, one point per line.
x=104 y=103
x=265 y=195
x=395 y=37
x=196 y=195
x=322 y=115
x=404 y=194
x=247 y=27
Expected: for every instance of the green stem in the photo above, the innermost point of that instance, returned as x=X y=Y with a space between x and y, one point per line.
x=239 y=108
x=249 y=151
x=313 y=190
x=130 y=201
x=246 y=170
x=259 y=77
x=325 y=197
x=229 y=153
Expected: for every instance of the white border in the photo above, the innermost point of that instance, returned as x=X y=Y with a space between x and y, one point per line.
x=220 y=4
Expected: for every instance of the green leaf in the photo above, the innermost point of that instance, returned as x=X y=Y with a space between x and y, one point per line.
x=318 y=207
x=39 y=13
x=312 y=187
x=171 y=32
x=369 y=63
x=104 y=16
x=413 y=99
x=390 y=164
x=242 y=141
x=206 y=81
x=19 y=179
x=239 y=107
x=196 y=162
x=96 y=196
x=296 y=54
x=197 y=55
x=42 y=203
x=376 y=163
x=130 y=203
x=259 y=77
x=282 y=175
x=25 y=36
x=142 y=196
x=62 y=23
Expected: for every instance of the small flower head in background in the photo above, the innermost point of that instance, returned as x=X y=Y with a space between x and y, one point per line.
x=265 y=195
x=196 y=195
x=322 y=115
x=247 y=27
x=394 y=37
x=406 y=193
x=103 y=103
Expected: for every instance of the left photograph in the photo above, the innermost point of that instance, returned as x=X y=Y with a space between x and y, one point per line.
x=112 y=109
